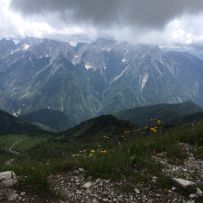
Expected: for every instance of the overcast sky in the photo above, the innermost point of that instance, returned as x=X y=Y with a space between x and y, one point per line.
x=165 y=22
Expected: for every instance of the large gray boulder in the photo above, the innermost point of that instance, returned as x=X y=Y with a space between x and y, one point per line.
x=8 y=179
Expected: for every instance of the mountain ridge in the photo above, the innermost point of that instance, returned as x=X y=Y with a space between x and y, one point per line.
x=96 y=78
x=56 y=120
x=10 y=124
x=99 y=129
x=167 y=113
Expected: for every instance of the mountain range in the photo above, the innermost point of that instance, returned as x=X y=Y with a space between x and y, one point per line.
x=96 y=78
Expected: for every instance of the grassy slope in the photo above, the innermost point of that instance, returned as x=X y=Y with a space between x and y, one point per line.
x=10 y=124
x=169 y=113
x=27 y=141
x=96 y=129
x=131 y=158
x=192 y=117
x=55 y=120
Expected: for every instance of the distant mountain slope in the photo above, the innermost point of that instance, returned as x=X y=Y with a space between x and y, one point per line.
x=94 y=79
x=98 y=128
x=192 y=117
x=165 y=112
x=10 y=124
x=55 y=120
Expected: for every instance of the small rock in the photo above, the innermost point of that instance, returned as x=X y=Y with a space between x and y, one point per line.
x=162 y=155
x=13 y=196
x=144 y=197
x=154 y=179
x=173 y=188
x=4 y=193
x=199 y=193
x=157 y=195
x=94 y=200
x=82 y=170
x=20 y=198
x=137 y=191
x=97 y=180
x=87 y=185
x=101 y=184
x=89 y=178
x=112 y=193
x=22 y=193
x=192 y=196
x=183 y=183
x=76 y=171
x=78 y=192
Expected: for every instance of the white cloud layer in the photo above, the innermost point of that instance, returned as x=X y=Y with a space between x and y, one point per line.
x=185 y=29
x=14 y=25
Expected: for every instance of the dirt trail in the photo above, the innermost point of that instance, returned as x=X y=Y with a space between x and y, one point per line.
x=13 y=145
x=12 y=151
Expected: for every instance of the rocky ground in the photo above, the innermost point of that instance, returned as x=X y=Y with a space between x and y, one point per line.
x=76 y=187
x=191 y=168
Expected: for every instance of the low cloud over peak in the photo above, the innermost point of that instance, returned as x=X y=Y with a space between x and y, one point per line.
x=147 y=13
x=147 y=21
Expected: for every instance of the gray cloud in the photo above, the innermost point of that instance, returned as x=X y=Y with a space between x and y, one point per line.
x=148 y=13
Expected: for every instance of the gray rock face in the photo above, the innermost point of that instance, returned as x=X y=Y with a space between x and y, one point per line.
x=7 y=179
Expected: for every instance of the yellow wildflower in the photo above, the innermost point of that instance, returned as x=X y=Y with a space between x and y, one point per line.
x=103 y=152
x=90 y=155
x=153 y=130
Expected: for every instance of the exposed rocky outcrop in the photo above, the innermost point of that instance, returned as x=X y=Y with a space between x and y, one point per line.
x=8 y=180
